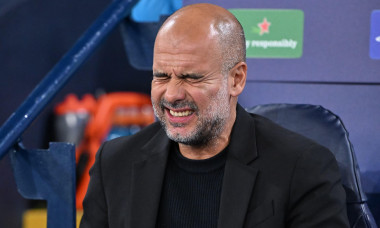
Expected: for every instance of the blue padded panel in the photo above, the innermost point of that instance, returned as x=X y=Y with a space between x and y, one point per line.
x=139 y=40
x=48 y=175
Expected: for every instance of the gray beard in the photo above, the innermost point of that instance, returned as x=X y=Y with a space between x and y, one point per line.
x=203 y=133
x=207 y=127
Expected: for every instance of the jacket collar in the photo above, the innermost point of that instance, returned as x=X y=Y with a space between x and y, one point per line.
x=148 y=175
x=243 y=138
x=242 y=145
x=239 y=178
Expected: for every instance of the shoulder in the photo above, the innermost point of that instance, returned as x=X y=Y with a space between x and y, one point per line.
x=293 y=157
x=271 y=142
x=299 y=174
x=128 y=147
x=270 y=134
x=287 y=149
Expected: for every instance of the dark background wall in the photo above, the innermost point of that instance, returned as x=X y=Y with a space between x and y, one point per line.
x=335 y=71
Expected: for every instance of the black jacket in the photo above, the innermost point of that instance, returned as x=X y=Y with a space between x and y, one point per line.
x=273 y=178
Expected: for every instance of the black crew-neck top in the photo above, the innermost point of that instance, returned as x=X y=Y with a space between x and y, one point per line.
x=191 y=191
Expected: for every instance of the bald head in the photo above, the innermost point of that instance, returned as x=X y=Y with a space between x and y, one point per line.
x=200 y=22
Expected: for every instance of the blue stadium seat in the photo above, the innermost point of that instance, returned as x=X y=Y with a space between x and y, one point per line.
x=326 y=128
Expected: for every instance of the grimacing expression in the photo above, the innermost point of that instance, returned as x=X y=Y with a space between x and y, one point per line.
x=209 y=123
x=190 y=95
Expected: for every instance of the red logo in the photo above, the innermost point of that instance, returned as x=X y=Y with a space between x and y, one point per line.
x=264 y=26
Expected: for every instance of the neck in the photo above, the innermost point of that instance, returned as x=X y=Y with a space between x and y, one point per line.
x=213 y=147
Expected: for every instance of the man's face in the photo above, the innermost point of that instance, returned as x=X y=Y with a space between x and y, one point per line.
x=189 y=94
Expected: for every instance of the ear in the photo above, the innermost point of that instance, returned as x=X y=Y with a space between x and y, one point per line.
x=238 y=76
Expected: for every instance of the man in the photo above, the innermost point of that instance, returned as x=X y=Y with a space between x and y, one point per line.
x=208 y=163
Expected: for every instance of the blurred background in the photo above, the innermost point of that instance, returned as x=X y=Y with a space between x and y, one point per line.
x=336 y=64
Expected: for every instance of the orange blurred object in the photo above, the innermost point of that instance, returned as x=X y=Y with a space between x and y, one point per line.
x=73 y=104
x=120 y=108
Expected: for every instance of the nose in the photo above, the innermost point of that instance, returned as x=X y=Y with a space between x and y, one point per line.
x=174 y=91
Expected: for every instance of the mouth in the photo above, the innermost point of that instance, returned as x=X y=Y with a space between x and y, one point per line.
x=181 y=113
x=179 y=116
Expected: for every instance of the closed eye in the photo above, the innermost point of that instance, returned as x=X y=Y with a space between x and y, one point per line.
x=161 y=76
x=191 y=77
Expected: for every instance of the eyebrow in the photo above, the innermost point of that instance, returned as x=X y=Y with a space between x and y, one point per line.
x=182 y=76
x=191 y=76
x=160 y=75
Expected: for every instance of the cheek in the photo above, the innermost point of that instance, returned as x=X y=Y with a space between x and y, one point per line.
x=155 y=98
x=156 y=92
x=203 y=97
